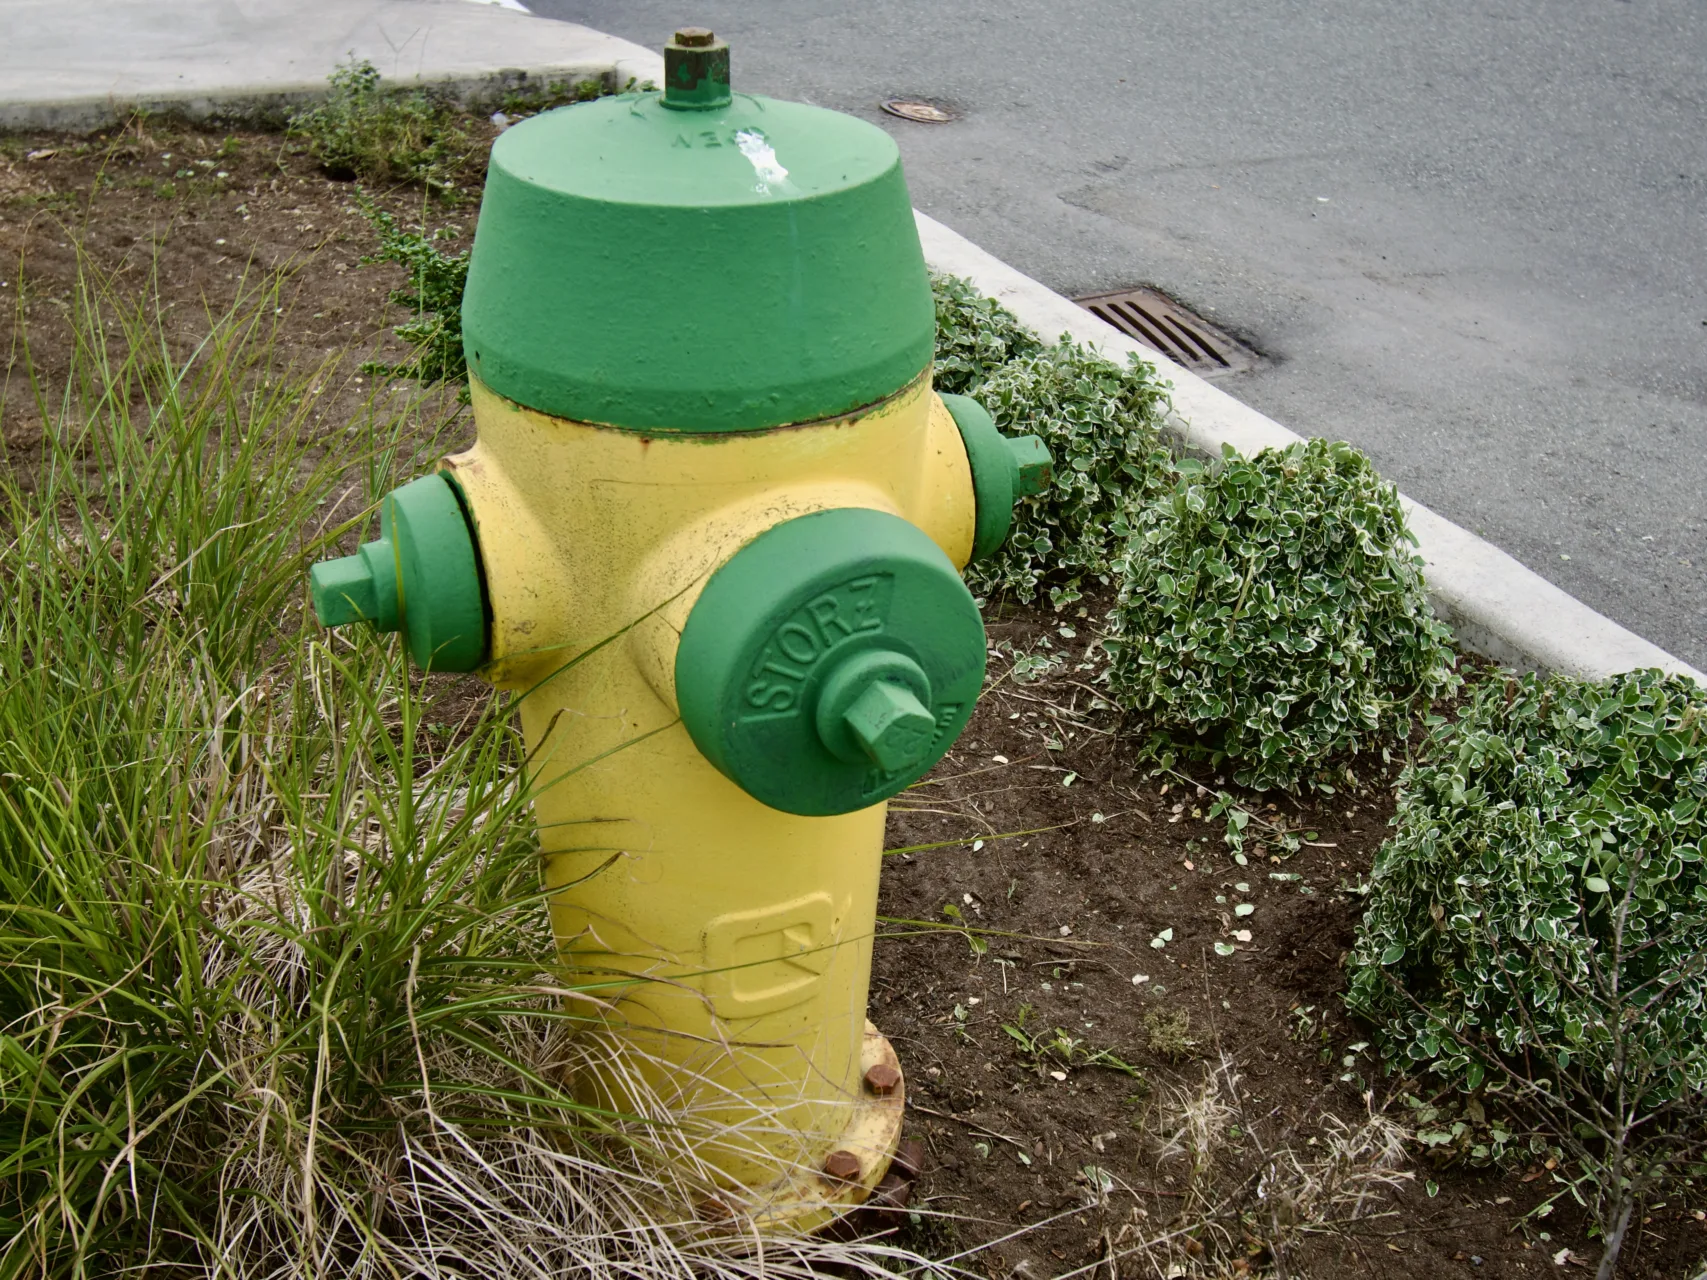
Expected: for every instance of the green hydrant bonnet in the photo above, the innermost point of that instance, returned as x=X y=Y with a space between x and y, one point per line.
x=729 y=269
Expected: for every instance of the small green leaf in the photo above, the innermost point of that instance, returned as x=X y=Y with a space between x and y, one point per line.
x=1595 y=884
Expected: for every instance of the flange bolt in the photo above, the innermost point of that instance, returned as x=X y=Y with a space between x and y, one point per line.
x=883 y=1079
x=842 y=1166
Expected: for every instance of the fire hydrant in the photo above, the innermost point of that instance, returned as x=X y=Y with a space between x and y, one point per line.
x=712 y=531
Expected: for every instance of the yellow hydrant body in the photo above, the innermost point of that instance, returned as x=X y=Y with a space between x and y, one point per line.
x=755 y=923
x=716 y=561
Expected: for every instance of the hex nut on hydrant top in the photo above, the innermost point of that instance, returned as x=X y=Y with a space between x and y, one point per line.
x=713 y=528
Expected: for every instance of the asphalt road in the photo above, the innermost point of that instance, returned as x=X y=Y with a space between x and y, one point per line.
x=1471 y=239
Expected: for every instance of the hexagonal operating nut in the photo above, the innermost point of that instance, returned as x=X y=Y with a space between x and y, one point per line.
x=362 y=587
x=1034 y=469
x=343 y=591
x=696 y=71
x=421 y=578
x=892 y=725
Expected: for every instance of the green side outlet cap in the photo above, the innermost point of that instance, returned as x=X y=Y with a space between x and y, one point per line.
x=420 y=577
x=1004 y=470
x=831 y=662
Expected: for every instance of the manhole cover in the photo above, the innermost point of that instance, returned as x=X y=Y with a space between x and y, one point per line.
x=923 y=112
x=1161 y=324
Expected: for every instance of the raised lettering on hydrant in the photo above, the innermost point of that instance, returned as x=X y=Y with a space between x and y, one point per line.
x=713 y=527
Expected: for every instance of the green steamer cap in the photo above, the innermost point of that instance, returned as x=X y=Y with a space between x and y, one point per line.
x=421 y=577
x=831 y=662
x=696 y=260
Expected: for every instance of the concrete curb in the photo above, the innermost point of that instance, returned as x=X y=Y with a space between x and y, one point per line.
x=1494 y=605
x=86 y=65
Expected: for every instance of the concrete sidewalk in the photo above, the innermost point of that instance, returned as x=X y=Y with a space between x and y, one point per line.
x=82 y=64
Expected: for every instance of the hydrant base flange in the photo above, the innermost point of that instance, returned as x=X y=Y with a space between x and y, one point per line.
x=808 y=1200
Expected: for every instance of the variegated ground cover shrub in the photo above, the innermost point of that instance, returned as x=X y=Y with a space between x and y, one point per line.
x=1537 y=928
x=1272 y=615
x=1102 y=422
x=975 y=335
x=1543 y=900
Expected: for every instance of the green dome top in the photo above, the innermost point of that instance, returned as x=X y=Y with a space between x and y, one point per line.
x=723 y=269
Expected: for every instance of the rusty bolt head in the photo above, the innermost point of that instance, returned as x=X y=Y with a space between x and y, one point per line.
x=843 y=1166
x=883 y=1079
x=909 y=1159
x=714 y=1209
x=893 y=1192
x=694 y=37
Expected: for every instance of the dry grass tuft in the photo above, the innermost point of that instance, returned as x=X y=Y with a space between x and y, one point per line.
x=1248 y=1204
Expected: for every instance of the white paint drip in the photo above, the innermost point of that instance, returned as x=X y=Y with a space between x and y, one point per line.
x=759 y=152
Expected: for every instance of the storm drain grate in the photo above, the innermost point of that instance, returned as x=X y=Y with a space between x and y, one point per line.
x=1161 y=324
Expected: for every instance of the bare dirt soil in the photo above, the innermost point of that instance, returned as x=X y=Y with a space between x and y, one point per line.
x=197 y=219
x=1104 y=924
x=1050 y=972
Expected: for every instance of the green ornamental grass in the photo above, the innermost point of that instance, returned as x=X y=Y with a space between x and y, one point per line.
x=1272 y=615
x=278 y=993
x=244 y=888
